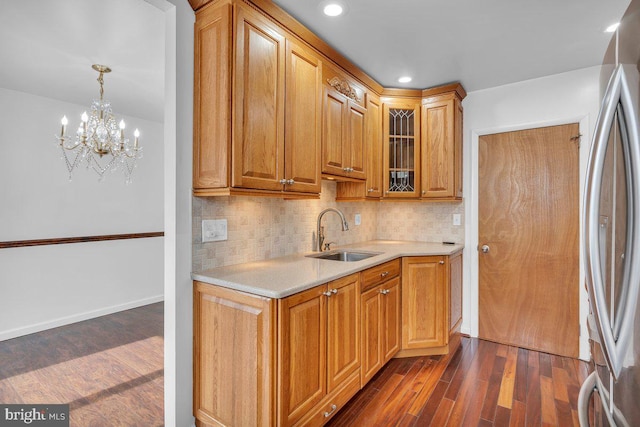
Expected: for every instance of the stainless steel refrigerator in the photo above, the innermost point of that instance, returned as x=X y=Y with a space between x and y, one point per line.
x=611 y=232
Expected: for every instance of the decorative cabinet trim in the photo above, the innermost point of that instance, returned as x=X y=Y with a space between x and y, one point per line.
x=344 y=88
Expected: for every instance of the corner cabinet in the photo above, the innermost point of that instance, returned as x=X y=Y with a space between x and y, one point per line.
x=249 y=75
x=431 y=304
x=401 y=150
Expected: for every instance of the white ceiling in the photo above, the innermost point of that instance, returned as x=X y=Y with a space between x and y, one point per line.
x=47 y=48
x=481 y=43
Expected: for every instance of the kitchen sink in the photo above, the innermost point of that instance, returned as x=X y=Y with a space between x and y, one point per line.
x=344 y=256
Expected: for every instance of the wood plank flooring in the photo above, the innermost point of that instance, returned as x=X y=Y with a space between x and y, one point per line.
x=482 y=384
x=110 y=370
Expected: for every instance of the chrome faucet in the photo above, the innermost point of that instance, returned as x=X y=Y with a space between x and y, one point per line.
x=320 y=230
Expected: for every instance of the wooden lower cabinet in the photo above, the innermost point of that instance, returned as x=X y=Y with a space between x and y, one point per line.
x=234 y=365
x=431 y=304
x=380 y=309
x=297 y=360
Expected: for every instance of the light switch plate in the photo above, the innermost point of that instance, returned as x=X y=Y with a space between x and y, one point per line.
x=456 y=219
x=214 y=230
x=358 y=219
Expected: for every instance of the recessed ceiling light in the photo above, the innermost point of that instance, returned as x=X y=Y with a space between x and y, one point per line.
x=611 y=28
x=404 y=79
x=332 y=9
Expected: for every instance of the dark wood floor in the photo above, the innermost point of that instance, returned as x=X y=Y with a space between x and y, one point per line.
x=482 y=384
x=110 y=370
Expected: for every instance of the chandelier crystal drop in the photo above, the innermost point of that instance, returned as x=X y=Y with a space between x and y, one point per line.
x=100 y=142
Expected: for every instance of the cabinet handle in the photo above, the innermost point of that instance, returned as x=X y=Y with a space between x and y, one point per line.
x=333 y=408
x=330 y=292
x=283 y=181
x=424 y=192
x=290 y=182
x=384 y=274
x=345 y=169
x=370 y=190
x=384 y=291
x=441 y=262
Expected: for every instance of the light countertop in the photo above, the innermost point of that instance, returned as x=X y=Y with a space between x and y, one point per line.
x=281 y=277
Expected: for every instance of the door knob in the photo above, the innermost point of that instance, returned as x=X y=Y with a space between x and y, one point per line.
x=485 y=249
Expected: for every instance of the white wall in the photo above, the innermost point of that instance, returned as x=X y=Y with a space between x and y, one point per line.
x=47 y=286
x=563 y=98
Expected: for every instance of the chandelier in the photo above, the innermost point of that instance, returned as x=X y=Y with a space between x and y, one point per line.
x=100 y=142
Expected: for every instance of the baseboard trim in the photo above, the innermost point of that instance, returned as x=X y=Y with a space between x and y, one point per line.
x=62 y=321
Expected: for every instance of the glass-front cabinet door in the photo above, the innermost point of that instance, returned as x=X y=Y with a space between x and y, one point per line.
x=401 y=127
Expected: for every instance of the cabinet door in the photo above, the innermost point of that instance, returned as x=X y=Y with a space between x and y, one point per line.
x=373 y=146
x=401 y=152
x=304 y=119
x=212 y=82
x=455 y=293
x=371 y=336
x=343 y=330
x=424 y=302
x=302 y=360
x=258 y=139
x=334 y=132
x=441 y=148
x=234 y=355
x=357 y=131
x=391 y=334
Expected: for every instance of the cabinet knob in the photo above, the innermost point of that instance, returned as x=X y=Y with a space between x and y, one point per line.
x=424 y=192
x=384 y=274
x=384 y=291
x=290 y=182
x=330 y=292
x=370 y=190
x=283 y=181
x=441 y=262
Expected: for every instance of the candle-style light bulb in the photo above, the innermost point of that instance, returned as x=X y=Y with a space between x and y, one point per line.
x=136 y=134
x=64 y=122
x=121 y=124
x=84 y=117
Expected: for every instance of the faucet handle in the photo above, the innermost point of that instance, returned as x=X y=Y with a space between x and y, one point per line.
x=327 y=246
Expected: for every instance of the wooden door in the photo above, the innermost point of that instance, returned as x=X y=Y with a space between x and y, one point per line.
x=424 y=302
x=371 y=333
x=357 y=131
x=528 y=219
x=302 y=324
x=391 y=334
x=258 y=140
x=303 y=136
x=439 y=149
x=334 y=132
x=374 y=147
x=343 y=330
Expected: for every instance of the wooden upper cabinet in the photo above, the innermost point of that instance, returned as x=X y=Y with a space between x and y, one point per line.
x=373 y=145
x=401 y=148
x=442 y=147
x=212 y=79
x=258 y=132
x=257 y=126
x=303 y=112
x=344 y=128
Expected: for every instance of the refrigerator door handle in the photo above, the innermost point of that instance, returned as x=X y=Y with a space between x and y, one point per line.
x=587 y=389
x=615 y=335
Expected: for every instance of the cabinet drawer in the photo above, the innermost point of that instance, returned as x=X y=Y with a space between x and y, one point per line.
x=378 y=274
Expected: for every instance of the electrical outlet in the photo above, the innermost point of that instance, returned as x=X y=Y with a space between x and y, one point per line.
x=214 y=230
x=357 y=220
x=456 y=219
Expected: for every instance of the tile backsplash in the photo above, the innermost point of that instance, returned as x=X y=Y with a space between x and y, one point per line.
x=263 y=228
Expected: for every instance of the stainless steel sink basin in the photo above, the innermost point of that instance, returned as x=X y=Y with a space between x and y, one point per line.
x=344 y=256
